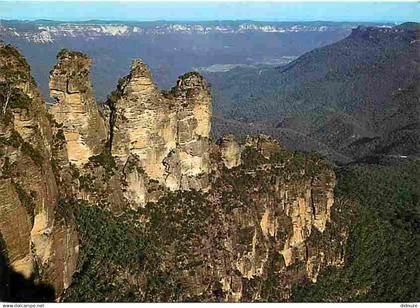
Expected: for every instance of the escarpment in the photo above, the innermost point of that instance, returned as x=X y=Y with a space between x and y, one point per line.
x=37 y=238
x=217 y=222
x=263 y=226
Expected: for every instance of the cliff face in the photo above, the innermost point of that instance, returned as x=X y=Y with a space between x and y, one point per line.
x=230 y=151
x=164 y=133
x=271 y=204
x=193 y=104
x=232 y=222
x=76 y=109
x=31 y=226
x=260 y=228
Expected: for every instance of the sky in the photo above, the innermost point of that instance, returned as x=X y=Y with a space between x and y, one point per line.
x=200 y=10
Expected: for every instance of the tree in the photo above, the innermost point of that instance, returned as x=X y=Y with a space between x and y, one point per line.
x=7 y=96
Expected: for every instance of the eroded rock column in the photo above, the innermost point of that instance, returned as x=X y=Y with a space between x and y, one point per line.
x=76 y=109
x=145 y=122
x=193 y=130
x=164 y=133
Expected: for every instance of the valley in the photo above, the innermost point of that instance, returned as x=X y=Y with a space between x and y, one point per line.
x=358 y=97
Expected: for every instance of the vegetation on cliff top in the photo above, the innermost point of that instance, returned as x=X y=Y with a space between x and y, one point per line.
x=65 y=52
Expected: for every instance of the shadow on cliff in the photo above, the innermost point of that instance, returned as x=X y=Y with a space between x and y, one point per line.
x=16 y=288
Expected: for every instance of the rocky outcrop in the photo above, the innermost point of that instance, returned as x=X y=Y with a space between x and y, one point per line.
x=193 y=129
x=260 y=229
x=308 y=211
x=230 y=151
x=154 y=136
x=29 y=187
x=76 y=109
x=224 y=222
x=164 y=133
x=144 y=123
x=285 y=220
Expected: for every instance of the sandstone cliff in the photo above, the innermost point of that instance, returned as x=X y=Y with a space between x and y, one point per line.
x=35 y=237
x=264 y=225
x=76 y=109
x=146 y=142
x=230 y=151
x=231 y=222
x=166 y=134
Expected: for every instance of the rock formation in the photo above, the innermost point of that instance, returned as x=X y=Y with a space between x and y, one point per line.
x=76 y=109
x=231 y=151
x=251 y=237
x=223 y=222
x=36 y=238
x=164 y=133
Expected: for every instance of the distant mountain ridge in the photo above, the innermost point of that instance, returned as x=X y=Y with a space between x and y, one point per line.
x=46 y=31
x=359 y=96
x=170 y=48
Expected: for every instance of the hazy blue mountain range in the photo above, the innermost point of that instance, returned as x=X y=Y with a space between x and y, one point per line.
x=170 y=48
x=358 y=96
